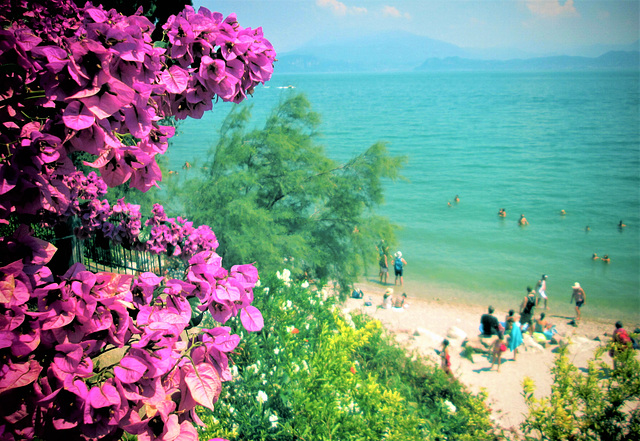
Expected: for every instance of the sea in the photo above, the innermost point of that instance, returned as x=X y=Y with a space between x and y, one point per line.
x=533 y=143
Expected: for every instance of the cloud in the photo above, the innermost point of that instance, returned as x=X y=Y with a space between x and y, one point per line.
x=391 y=11
x=552 y=8
x=339 y=8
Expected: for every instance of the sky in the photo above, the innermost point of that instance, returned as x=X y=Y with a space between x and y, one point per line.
x=536 y=26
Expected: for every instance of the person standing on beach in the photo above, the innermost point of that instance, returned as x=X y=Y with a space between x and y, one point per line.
x=384 y=268
x=541 y=287
x=383 y=250
x=580 y=297
x=515 y=334
x=398 y=267
x=526 y=310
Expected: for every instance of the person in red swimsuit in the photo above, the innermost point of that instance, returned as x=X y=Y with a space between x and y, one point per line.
x=445 y=358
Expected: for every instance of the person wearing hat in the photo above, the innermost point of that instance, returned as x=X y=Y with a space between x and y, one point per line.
x=398 y=266
x=541 y=287
x=387 y=299
x=580 y=298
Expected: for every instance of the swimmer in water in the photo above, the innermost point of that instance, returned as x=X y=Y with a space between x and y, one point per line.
x=502 y=213
x=621 y=225
x=457 y=199
x=562 y=212
x=606 y=258
x=594 y=257
x=587 y=228
x=523 y=220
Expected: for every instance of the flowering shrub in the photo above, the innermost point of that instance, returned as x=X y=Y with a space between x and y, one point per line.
x=94 y=355
x=318 y=372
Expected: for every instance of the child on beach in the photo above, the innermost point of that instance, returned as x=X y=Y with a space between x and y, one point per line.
x=496 y=354
x=445 y=358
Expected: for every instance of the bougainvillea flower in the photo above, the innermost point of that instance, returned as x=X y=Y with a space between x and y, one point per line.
x=252 y=319
x=203 y=386
x=175 y=79
x=108 y=99
x=16 y=375
x=130 y=369
x=105 y=407
x=77 y=116
x=91 y=80
x=142 y=289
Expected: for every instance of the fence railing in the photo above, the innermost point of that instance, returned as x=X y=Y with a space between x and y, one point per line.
x=115 y=258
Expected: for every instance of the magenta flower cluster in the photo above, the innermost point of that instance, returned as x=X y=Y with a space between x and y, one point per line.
x=57 y=334
x=122 y=223
x=94 y=355
x=92 y=81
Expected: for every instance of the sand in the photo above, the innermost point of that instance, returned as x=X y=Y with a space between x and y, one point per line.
x=424 y=323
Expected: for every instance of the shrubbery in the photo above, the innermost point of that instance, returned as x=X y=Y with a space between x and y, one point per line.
x=315 y=372
x=599 y=404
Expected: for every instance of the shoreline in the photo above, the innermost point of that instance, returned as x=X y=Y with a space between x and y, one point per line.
x=425 y=322
x=559 y=306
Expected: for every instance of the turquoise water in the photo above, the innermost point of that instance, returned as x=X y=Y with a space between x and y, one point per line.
x=532 y=143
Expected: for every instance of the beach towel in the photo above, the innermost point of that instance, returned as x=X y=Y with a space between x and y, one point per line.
x=515 y=338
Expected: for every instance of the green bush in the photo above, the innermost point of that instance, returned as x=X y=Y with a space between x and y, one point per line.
x=317 y=373
x=599 y=404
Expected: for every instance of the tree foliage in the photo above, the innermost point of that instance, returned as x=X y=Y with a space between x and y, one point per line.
x=276 y=195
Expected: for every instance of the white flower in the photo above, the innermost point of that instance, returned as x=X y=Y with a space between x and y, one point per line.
x=285 y=276
x=289 y=304
x=306 y=325
x=258 y=283
x=305 y=284
x=289 y=329
x=305 y=366
x=262 y=397
x=266 y=290
x=450 y=406
x=274 y=420
x=276 y=351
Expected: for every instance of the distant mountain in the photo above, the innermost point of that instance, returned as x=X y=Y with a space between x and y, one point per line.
x=403 y=51
x=615 y=60
x=392 y=52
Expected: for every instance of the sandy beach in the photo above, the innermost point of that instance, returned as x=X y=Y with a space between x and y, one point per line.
x=424 y=323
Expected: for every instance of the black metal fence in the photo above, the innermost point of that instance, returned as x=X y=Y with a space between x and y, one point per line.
x=116 y=258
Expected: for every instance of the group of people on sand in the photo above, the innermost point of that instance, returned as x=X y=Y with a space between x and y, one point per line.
x=383 y=261
x=388 y=302
x=508 y=335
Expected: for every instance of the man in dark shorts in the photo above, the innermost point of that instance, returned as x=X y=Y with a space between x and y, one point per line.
x=526 y=309
x=580 y=298
x=384 y=268
x=398 y=267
